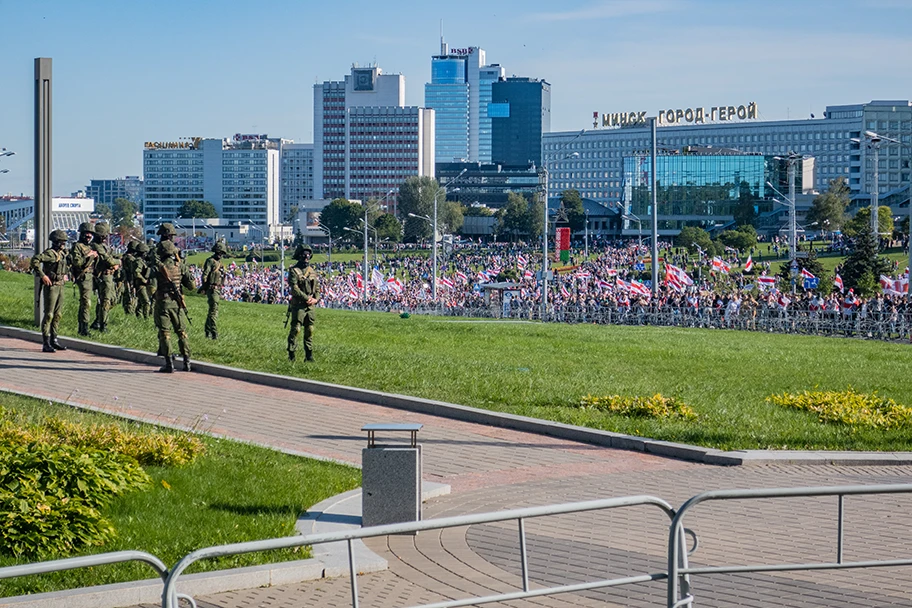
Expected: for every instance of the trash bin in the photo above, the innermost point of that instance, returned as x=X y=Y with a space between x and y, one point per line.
x=390 y=477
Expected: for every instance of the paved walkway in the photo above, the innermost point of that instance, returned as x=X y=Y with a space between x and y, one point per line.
x=492 y=468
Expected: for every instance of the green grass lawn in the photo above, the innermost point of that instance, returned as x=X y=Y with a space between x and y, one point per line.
x=232 y=493
x=542 y=370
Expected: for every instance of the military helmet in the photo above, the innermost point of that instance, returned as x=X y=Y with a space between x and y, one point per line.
x=168 y=248
x=59 y=235
x=87 y=227
x=220 y=247
x=102 y=230
x=166 y=229
x=299 y=252
x=142 y=248
x=131 y=247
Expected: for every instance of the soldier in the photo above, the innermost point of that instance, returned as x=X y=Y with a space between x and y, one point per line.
x=166 y=232
x=141 y=280
x=105 y=266
x=51 y=267
x=213 y=279
x=172 y=274
x=82 y=261
x=127 y=265
x=304 y=286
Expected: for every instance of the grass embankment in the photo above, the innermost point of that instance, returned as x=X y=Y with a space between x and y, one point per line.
x=544 y=370
x=231 y=493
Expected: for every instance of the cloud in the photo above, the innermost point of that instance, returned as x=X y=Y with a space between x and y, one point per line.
x=609 y=9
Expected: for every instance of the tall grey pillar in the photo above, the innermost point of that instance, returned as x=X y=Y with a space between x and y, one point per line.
x=43 y=149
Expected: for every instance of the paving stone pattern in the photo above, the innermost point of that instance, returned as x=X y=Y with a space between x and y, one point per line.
x=490 y=469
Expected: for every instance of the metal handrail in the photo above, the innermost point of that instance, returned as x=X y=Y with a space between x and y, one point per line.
x=169 y=596
x=86 y=561
x=678 y=588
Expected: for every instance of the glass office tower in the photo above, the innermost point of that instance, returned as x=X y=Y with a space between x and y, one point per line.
x=448 y=95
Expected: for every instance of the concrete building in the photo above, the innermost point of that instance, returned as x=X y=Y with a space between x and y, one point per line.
x=105 y=191
x=520 y=113
x=239 y=176
x=297 y=176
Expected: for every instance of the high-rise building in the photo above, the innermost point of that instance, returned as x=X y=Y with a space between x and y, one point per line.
x=239 y=176
x=105 y=191
x=459 y=93
x=297 y=176
x=366 y=140
x=520 y=112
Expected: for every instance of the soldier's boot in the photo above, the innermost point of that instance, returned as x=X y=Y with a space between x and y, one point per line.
x=83 y=329
x=47 y=348
x=103 y=328
x=214 y=335
x=57 y=345
x=95 y=325
x=168 y=367
x=308 y=354
x=186 y=364
x=291 y=355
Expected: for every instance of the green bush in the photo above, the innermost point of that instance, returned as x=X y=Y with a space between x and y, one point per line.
x=656 y=406
x=50 y=496
x=849 y=407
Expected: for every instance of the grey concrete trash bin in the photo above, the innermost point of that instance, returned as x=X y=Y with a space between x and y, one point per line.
x=390 y=477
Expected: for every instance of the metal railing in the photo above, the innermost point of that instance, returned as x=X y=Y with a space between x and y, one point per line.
x=679 y=593
x=169 y=597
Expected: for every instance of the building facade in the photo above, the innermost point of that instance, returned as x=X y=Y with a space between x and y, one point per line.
x=297 y=176
x=239 y=176
x=105 y=191
x=592 y=161
x=366 y=138
x=520 y=113
x=488 y=184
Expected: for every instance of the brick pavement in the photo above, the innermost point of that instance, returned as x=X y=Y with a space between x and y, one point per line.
x=492 y=468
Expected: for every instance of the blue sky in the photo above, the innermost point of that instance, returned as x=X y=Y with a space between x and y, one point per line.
x=130 y=71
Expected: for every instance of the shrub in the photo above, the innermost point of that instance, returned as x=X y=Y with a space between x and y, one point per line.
x=50 y=496
x=849 y=407
x=656 y=406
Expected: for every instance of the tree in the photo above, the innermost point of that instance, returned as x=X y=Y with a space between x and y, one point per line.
x=292 y=214
x=123 y=212
x=576 y=213
x=477 y=211
x=812 y=265
x=514 y=217
x=104 y=211
x=416 y=195
x=194 y=208
x=339 y=214
x=388 y=227
x=694 y=235
x=742 y=238
x=862 y=221
x=449 y=216
x=862 y=269
x=828 y=208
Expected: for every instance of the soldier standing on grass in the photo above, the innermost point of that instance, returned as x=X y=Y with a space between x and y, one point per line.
x=304 y=286
x=51 y=267
x=82 y=262
x=127 y=265
x=172 y=275
x=141 y=280
x=213 y=279
x=105 y=266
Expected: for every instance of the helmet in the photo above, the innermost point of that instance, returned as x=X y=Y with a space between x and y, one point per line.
x=300 y=251
x=220 y=247
x=131 y=247
x=87 y=227
x=167 y=249
x=59 y=236
x=102 y=230
x=142 y=248
x=166 y=229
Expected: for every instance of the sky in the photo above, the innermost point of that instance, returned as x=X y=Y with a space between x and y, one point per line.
x=130 y=71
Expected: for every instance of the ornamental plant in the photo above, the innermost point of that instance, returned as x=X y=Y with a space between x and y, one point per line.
x=849 y=407
x=656 y=406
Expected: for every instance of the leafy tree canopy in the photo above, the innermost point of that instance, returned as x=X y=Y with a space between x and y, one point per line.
x=573 y=205
x=863 y=267
x=416 y=196
x=104 y=211
x=828 y=209
x=862 y=221
x=340 y=214
x=388 y=227
x=123 y=212
x=194 y=208
x=693 y=237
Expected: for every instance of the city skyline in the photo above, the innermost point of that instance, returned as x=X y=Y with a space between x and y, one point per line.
x=129 y=73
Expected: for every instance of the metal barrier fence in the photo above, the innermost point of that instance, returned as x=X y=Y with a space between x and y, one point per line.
x=872 y=325
x=677 y=576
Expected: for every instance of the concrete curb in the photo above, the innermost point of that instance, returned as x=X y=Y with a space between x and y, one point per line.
x=510 y=421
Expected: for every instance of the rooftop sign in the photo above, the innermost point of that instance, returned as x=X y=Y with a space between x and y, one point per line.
x=191 y=143
x=677 y=117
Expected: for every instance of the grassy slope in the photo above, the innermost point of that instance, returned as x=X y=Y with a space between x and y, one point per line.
x=540 y=370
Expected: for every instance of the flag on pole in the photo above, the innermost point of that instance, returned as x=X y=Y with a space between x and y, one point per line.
x=394 y=284
x=766 y=282
x=462 y=276
x=564 y=292
x=521 y=261
x=528 y=274
x=749 y=264
x=678 y=273
x=838 y=283
x=445 y=282
x=377 y=278
x=807 y=274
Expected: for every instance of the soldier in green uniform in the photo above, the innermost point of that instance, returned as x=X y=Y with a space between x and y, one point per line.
x=172 y=275
x=82 y=264
x=213 y=279
x=141 y=280
x=304 y=286
x=127 y=263
x=51 y=267
x=105 y=266
x=166 y=232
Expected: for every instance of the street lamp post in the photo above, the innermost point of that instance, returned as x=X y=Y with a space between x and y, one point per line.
x=329 y=236
x=586 y=234
x=433 y=224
